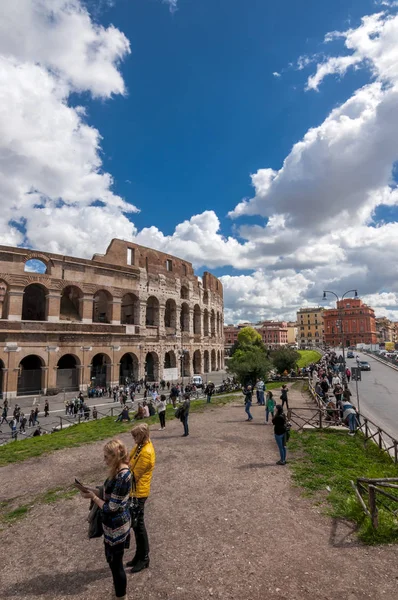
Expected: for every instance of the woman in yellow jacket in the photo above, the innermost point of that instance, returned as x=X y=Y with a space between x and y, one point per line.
x=141 y=463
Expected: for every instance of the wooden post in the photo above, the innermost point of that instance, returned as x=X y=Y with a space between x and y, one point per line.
x=380 y=439
x=60 y=422
x=395 y=452
x=320 y=418
x=366 y=430
x=373 y=506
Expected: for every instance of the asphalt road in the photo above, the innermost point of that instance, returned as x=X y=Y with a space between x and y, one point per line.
x=378 y=394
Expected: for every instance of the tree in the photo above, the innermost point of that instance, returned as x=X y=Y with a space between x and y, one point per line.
x=249 y=360
x=285 y=359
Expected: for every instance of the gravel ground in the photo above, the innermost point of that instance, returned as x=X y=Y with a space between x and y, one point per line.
x=224 y=522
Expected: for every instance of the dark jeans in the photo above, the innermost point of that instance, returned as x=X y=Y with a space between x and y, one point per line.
x=247 y=410
x=141 y=536
x=280 y=440
x=115 y=561
x=162 y=418
x=185 y=423
x=285 y=402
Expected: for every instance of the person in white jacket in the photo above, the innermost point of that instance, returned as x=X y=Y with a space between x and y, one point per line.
x=161 y=408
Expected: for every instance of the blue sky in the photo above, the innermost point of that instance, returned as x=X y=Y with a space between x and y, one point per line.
x=257 y=140
x=204 y=109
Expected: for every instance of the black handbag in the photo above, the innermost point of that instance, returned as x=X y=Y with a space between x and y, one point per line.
x=135 y=512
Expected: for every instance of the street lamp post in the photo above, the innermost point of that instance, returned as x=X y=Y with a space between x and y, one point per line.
x=181 y=357
x=340 y=311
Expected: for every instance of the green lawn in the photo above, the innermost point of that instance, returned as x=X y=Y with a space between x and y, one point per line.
x=86 y=433
x=321 y=459
x=308 y=357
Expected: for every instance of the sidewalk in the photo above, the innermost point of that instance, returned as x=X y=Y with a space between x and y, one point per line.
x=224 y=522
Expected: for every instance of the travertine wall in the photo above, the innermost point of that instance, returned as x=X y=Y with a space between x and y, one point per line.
x=131 y=300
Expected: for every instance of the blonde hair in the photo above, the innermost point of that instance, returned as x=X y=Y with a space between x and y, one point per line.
x=140 y=433
x=117 y=451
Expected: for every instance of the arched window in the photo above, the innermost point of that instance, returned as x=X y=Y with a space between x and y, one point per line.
x=197 y=362
x=197 y=320
x=152 y=312
x=102 y=307
x=184 y=292
x=30 y=376
x=130 y=313
x=34 y=265
x=68 y=373
x=151 y=367
x=184 y=318
x=3 y=300
x=213 y=323
x=170 y=361
x=100 y=370
x=34 y=303
x=129 y=370
x=206 y=361
x=170 y=314
x=213 y=360
x=206 y=322
x=71 y=303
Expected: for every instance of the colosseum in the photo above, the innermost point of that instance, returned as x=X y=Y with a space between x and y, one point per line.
x=68 y=323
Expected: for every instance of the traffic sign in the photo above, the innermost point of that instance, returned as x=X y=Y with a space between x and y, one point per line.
x=356 y=373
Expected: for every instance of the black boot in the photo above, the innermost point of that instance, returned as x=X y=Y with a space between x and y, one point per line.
x=132 y=562
x=140 y=565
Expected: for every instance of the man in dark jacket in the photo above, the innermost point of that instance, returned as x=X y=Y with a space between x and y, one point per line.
x=184 y=414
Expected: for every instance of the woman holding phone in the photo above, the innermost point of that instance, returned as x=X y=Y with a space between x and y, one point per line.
x=115 y=511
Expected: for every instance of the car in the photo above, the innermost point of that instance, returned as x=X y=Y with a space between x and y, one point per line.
x=363 y=365
x=197 y=381
x=350 y=354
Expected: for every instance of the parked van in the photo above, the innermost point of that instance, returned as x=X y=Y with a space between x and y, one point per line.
x=198 y=381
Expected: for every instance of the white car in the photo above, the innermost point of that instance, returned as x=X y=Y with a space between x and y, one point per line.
x=197 y=380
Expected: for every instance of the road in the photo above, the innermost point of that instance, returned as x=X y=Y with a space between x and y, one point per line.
x=378 y=393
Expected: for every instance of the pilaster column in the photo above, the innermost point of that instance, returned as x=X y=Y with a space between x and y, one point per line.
x=162 y=329
x=116 y=311
x=15 y=301
x=87 y=308
x=53 y=305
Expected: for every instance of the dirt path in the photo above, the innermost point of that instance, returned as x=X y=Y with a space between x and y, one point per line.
x=224 y=522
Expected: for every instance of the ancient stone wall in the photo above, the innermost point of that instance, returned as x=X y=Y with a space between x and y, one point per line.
x=130 y=313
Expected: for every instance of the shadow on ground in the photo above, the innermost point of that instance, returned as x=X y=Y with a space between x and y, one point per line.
x=68 y=584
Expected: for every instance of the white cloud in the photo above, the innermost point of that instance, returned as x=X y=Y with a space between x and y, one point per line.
x=172 y=5
x=50 y=163
x=276 y=74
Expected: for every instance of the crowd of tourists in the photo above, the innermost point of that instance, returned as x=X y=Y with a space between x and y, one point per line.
x=330 y=384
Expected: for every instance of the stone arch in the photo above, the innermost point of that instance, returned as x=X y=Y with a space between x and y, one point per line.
x=170 y=314
x=184 y=317
x=34 y=302
x=213 y=323
x=152 y=312
x=170 y=360
x=197 y=320
x=36 y=265
x=71 y=303
x=186 y=364
x=30 y=375
x=213 y=360
x=68 y=373
x=129 y=368
x=206 y=322
x=218 y=360
x=102 y=307
x=130 y=310
x=197 y=362
x=3 y=299
x=152 y=367
x=206 y=361
x=100 y=374
x=205 y=297
x=184 y=292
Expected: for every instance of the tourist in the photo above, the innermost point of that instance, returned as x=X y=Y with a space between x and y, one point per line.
x=124 y=415
x=260 y=386
x=36 y=415
x=140 y=412
x=22 y=423
x=279 y=423
x=46 y=408
x=142 y=462
x=145 y=409
x=284 y=398
x=95 y=413
x=161 y=408
x=32 y=418
x=248 y=393
x=4 y=414
x=209 y=391
x=349 y=417
x=348 y=374
x=115 y=511
x=174 y=393
x=184 y=414
x=269 y=406
x=13 y=427
x=151 y=408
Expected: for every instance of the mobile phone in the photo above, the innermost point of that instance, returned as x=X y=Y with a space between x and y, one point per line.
x=80 y=485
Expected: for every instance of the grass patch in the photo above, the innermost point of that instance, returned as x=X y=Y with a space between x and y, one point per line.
x=14 y=515
x=332 y=458
x=22 y=511
x=307 y=357
x=86 y=433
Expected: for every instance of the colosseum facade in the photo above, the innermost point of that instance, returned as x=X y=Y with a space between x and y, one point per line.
x=131 y=313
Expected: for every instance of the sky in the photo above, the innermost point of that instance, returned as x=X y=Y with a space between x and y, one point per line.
x=257 y=140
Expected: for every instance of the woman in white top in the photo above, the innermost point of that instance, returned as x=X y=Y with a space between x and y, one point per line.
x=161 y=408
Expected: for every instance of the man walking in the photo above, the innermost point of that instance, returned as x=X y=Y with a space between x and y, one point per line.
x=248 y=392
x=260 y=391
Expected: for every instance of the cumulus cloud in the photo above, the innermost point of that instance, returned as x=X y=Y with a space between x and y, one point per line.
x=50 y=163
